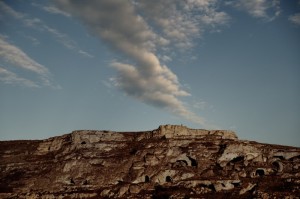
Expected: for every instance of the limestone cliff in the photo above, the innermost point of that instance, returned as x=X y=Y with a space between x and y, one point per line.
x=169 y=162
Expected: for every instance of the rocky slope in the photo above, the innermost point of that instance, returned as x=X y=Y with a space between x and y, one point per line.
x=169 y=162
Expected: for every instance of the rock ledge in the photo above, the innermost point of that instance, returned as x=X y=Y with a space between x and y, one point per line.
x=172 y=161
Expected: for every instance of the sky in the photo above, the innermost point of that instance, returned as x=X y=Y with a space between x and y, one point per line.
x=132 y=65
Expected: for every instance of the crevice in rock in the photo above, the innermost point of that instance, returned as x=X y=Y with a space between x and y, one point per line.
x=72 y=182
x=279 y=156
x=85 y=182
x=222 y=148
x=194 y=162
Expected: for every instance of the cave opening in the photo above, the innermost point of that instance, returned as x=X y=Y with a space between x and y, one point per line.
x=237 y=159
x=278 y=166
x=133 y=151
x=147 y=179
x=260 y=172
x=168 y=179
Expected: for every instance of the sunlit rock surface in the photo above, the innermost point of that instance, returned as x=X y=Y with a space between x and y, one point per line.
x=170 y=162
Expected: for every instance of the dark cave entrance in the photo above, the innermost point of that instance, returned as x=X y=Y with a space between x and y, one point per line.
x=147 y=179
x=168 y=179
x=260 y=172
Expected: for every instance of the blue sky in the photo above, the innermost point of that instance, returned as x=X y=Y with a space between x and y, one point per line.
x=132 y=65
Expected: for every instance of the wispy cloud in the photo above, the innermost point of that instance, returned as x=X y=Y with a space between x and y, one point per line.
x=264 y=9
x=9 y=77
x=85 y=54
x=200 y=105
x=6 y=9
x=13 y=55
x=144 y=77
x=17 y=57
x=51 y=9
x=166 y=58
x=55 y=10
x=38 y=24
x=34 y=40
x=64 y=39
x=295 y=18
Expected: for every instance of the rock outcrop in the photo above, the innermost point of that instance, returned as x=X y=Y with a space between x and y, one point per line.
x=170 y=162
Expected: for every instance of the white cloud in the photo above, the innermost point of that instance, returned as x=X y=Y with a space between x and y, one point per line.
x=9 y=77
x=6 y=9
x=39 y=25
x=55 y=10
x=134 y=82
x=33 y=23
x=199 y=4
x=295 y=18
x=264 y=9
x=51 y=9
x=34 y=40
x=166 y=58
x=64 y=39
x=13 y=55
x=17 y=57
x=159 y=91
x=200 y=105
x=85 y=54
x=216 y=18
x=124 y=30
x=183 y=21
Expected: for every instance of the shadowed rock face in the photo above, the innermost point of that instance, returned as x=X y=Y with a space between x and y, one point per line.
x=169 y=162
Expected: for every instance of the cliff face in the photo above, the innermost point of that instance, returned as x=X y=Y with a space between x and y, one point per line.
x=169 y=162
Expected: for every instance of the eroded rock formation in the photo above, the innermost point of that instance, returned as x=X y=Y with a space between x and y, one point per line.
x=169 y=162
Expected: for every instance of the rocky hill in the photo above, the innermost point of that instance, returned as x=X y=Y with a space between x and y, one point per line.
x=169 y=162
